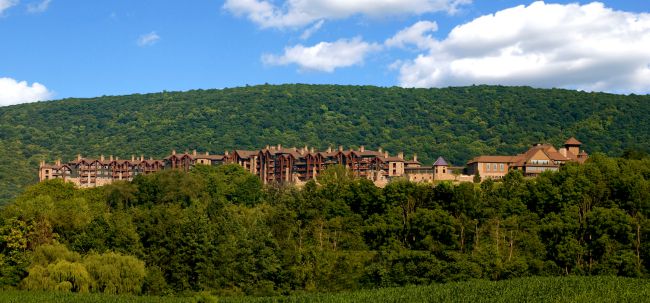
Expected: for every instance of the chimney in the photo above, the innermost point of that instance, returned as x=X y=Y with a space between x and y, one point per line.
x=58 y=162
x=117 y=158
x=110 y=158
x=385 y=154
x=142 y=157
x=267 y=146
x=362 y=148
x=226 y=153
x=400 y=155
x=173 y=151
x=381 y=150
x=194 y=153
x=340 y=148
x=279 y=146
x=207 y=153
x=132 y=158
x=78 y=157
x=329 y=149
x=415 y=157
x=312 y=150
x=101 y=158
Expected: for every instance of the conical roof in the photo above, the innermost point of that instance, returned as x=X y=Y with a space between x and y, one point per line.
x=440 y=162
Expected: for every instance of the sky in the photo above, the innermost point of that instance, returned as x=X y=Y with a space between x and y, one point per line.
x=54 y=49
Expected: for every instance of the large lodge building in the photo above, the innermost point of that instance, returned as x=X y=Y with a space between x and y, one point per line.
x=537 y=159
x=298 y=165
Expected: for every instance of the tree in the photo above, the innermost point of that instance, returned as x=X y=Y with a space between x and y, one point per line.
x=114 y=273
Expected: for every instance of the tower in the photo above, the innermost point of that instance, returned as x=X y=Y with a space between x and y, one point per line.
x=573 y=146
x=440 y=169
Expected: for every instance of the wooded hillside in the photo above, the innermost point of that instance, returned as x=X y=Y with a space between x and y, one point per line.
x=457 y=123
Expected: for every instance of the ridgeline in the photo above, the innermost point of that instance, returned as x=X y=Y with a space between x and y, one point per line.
x=457 y=123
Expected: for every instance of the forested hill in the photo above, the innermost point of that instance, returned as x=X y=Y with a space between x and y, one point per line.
x=457 y=123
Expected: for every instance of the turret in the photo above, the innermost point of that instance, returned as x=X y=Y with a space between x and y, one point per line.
x=573 y=146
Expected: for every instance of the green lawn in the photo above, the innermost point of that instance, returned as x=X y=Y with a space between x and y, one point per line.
x=538 y=289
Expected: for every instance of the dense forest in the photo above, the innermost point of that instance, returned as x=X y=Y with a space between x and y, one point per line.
x=457 y=123
x=219 y=230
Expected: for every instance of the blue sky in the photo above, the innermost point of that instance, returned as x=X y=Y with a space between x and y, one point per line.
x=53 y=49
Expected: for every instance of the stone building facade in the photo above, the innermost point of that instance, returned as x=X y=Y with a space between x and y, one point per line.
x=537 y=159
x=297 y=165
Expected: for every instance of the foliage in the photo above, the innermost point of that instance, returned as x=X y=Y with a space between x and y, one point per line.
x=113 y=273
x=217 y=231
x=458 y=123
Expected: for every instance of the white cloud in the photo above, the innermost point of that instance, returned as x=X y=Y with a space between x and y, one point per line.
x=415 y=35
x=39 y=7
x=324 y=56
x=6 y=4
x=14 y=92
x=148 y=39
x=589 y=47
x=299 y=13
x=311 y=30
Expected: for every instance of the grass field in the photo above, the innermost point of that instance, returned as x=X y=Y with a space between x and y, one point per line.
x=537 y=289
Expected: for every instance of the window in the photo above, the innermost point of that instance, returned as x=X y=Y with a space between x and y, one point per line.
x=501 y=167
x=494 y=166
x=487 y=166
x=47 y=171
x=444 y=170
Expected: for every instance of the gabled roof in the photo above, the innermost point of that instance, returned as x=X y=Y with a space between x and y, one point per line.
x=87 y=160
x=441 y=162
x=548 y=150
x=178 y=156
x=572 y=141
x=286 y=151
x=246 y=153
x=329 y=154
x=551 y=152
